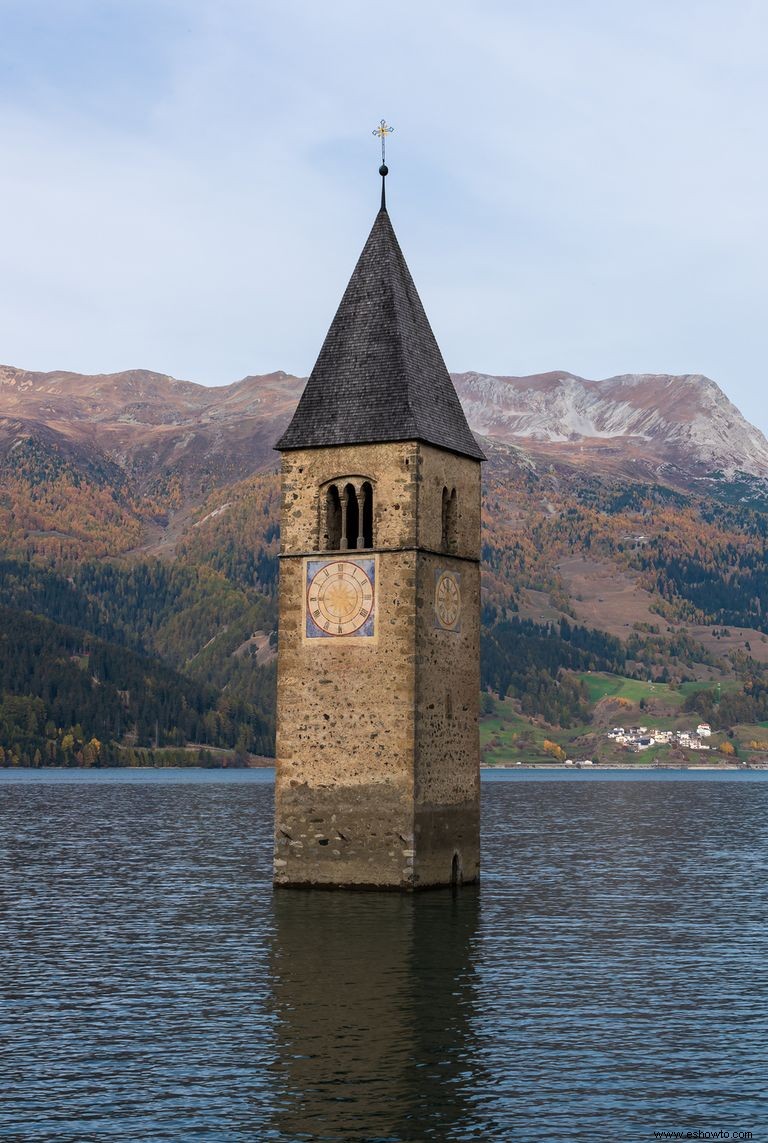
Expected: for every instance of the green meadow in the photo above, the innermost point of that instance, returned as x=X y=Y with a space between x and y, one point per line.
x=508 y=737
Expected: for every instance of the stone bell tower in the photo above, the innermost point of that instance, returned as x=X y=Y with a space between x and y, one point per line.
x=377 y=781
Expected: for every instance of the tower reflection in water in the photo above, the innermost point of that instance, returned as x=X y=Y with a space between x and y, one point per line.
x=374 y=998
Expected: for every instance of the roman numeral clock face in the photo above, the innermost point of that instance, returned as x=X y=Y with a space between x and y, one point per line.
x=341 y=599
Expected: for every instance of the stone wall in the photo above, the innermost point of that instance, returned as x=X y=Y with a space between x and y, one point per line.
x=447 y=752
x=438 y=470
x=368 y=760
x=392 y=470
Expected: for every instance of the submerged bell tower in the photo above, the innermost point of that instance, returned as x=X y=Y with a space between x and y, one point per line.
x=377 y=782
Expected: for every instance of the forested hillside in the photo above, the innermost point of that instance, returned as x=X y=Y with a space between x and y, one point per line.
x=138 y=603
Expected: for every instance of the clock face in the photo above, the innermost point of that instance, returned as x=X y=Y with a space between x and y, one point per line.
x=340 y=598
x=448 y=600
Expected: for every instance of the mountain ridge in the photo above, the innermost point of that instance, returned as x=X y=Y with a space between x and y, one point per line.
x=685 y=421
x=675 y=428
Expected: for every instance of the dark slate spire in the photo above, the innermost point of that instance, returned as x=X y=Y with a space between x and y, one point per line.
x=380 y=375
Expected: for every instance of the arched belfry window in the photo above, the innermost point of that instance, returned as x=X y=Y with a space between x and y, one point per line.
x=351 y=516
x=347 y=516
x=367 y=515
x=453 y=521
x=332 y=534
x=449 y=531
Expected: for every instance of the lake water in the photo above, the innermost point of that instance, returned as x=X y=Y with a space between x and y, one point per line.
x=605 y=982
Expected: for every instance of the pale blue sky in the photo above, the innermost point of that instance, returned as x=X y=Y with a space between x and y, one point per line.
x=185 y=185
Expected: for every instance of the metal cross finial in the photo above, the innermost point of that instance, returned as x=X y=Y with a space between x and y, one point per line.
x=382 y=131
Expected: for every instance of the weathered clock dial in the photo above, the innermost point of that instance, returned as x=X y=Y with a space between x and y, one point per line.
x=448 y=600
x=340 y=598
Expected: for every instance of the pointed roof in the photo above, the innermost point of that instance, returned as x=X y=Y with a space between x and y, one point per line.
x=380 y=375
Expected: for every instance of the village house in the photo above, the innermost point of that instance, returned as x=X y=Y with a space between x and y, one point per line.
x=638 y=738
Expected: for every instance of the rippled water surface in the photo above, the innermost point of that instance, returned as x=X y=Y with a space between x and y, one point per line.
x=606 y=981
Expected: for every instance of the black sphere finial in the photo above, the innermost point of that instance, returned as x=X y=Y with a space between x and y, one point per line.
x=382 y=131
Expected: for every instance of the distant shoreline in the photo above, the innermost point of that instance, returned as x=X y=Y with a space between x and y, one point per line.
x=513 y=767
x=611 y=766
x=265 y=765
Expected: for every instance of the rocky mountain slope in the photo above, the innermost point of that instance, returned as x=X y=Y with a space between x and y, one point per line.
x=151 y=425
x=673 y=429
x=670 y=426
